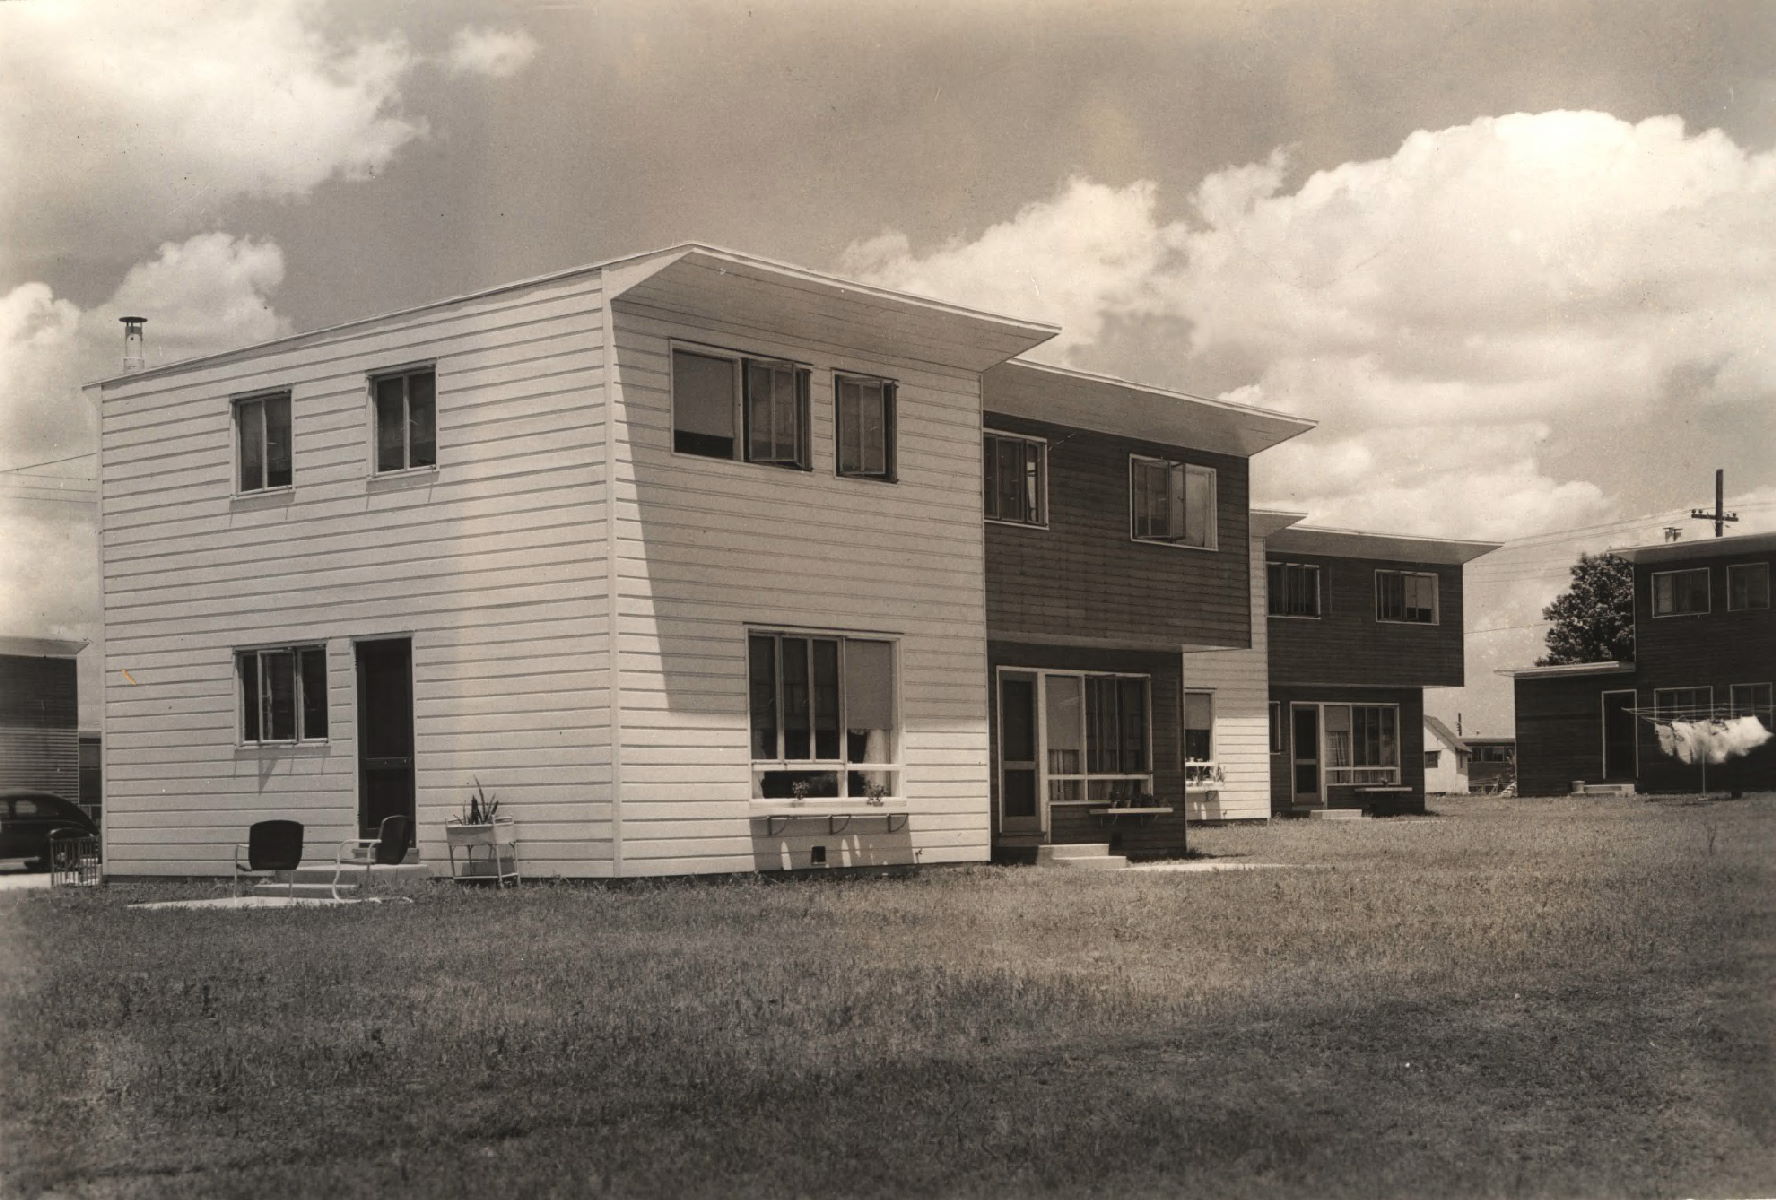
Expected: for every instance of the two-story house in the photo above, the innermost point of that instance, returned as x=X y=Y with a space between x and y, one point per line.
x=683 y=556
x=1355 y=627
x=40 y=715
x=1118 y=540
x=1704 y=645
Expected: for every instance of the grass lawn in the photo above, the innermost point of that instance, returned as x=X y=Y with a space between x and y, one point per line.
x=1565 y=997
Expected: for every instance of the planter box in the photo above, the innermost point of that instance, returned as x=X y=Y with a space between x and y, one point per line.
x=502 y=832
x=488 y=851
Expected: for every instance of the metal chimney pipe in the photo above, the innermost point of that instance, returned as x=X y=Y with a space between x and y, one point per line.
x=134 y=359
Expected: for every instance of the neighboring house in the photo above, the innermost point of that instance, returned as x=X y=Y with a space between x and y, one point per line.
x=1118 y=538
x=40 y=715
x=1359 y=625
x=1704 y=644
x=1492 y=762
x=682 y=557
x=1445 y=760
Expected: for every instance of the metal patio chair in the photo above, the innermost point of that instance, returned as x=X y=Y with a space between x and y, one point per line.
x=394 y=837
x=271 y=847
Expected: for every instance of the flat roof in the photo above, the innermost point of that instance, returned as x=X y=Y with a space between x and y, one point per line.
x=1569 y=670
x=1395 y=547
x=35 y=647
x=1267 y=521
x=1658 y=552
x=638 y=269
x=1106 y=404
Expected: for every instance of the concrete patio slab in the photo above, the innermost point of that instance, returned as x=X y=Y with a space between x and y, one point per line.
x=1222 y=866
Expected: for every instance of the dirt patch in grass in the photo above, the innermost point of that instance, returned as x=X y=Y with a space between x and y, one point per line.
x=1558 y=998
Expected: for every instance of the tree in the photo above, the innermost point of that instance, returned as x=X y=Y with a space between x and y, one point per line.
x=1593 y=620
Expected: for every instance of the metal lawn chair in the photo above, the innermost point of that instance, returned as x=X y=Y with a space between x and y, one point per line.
x=388 y=848
x=271 y=847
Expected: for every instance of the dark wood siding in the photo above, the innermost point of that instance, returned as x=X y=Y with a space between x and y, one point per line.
x=1084 y=578
x=1411 y=704
x=1347 y=645
x=1560 y=731
x=1713 y=649
x=1126 y=835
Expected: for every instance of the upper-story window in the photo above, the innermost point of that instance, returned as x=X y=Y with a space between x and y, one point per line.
x=732 y=406
x=1409 y=596
x=262 y=428
x=283 y=694
x=864 y=427
x=406 y=419
x=1016 y=477
x=1293 y=589
x=1680 y=593
x=1172 y=502
x=1748 y=586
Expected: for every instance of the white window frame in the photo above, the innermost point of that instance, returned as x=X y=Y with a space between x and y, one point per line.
x=742 y=449
x=1044 y=777
x=402 y=373
x=235 y=406
x=1176 y=475
x=1390 y=775
x=839 y=766
x=1751 y=566
x=1183 y=710
x=1319 y=589
x=1436 y=597
x=1708 y=704
x=1708 y=591
x=1278 y=734
x=1041 y=444
x=295 y=649
x=890 y=472
x=1734 y=704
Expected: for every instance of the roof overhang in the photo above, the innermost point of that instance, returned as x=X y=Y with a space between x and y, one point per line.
x=1266 y=522
x=1104 y=404
x=1661 y=552
x=33 y=647
x=1393 y=547
x=1570 y=670
x=756 y=295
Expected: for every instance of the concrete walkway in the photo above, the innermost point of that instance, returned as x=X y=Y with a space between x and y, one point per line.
x=1213 y=865
x=18 y=879
x=260 y=902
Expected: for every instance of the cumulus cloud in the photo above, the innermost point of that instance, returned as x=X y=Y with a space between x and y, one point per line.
x=494 y=53
x=166 y=110
x=1449 y=313
x=208 y=293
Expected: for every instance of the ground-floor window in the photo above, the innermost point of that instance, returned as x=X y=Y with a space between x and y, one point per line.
x=1081 y=737
x=823 y=716
x=1362 y=743
x=1683 y=703
x=1752 y=700
x=283 y=694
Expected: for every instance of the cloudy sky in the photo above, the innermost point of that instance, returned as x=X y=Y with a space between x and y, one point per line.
x=1517 y=258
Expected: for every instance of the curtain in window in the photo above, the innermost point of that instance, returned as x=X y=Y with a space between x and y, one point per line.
x=1066 y=725
x=1199 y=725
x=1338 y=735
x=703 y=404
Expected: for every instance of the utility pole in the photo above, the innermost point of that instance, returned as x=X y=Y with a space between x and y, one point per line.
x=1720 y=516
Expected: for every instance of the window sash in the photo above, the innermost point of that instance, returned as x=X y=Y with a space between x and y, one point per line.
x=1408 y=597
x=1681 y=593
x=1293 y=589
x=1015 y=483
x=776 y=413
x=1748 y=586
x=864 y=417
x=1683 y=702
x=1172 y=502
x=263 y=436
x=1753 y=700
x=1107 y=741
x=283 y=694
x=1362 y=743
x=406 y=406
x=1199 y=727
x=814 y=715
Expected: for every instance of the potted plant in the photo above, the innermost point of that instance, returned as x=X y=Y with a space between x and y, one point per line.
x=480 y=825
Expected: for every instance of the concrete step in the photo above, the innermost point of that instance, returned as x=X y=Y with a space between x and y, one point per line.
x=1094 y=862
x=316 y=879
x=1607 y=789
x=1335 y=814
x=1058 y=851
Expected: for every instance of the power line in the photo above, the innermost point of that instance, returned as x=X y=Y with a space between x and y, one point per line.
x=48 y=462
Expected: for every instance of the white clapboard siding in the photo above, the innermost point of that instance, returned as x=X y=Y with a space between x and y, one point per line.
x=705 y=549
x=494 y=564
x=1240 y=680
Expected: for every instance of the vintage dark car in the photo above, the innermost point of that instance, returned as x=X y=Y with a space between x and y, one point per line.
x=28 y=818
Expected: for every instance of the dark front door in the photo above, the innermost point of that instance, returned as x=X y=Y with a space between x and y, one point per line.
x=1619 y=733
x=385 y=732
x=1020 y=810
x=1304 y=721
